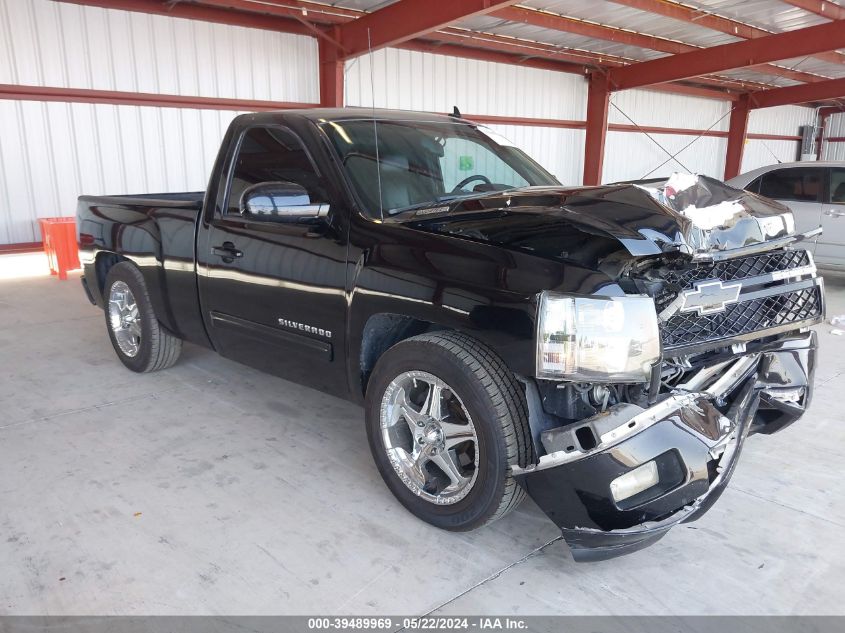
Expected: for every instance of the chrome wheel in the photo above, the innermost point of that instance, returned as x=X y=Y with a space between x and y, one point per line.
x=429 y=437
x=124 y=320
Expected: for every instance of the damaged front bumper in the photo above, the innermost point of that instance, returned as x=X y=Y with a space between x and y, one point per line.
x=694 y=438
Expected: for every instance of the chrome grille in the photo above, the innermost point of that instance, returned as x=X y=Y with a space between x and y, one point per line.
x=733 y=269
x=768 y=300
x=688 y=328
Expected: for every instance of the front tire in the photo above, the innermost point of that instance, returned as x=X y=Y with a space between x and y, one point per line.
x=139 y=340
x=446 y=421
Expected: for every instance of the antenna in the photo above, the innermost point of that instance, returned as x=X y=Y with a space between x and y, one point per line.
x=375 y=125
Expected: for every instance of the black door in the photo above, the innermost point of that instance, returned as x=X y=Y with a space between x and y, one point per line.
x=273 y=288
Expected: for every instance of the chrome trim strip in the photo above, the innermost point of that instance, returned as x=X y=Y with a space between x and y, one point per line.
x=732 y=377
x=649 y=417
x=760 y=247
x=698 y=380
x=695 y=348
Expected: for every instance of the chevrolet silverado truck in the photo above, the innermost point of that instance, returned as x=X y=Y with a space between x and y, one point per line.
x=606 y=350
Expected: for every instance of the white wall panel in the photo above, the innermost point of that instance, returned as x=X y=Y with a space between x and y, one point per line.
x=633 y=155
x=53 y=152
x=786 y=120
x=57 y=44
x=559 y=150
x=835 y=128
x=759 y=153
x=783 y=120
x=663 y=109
x=411 y=80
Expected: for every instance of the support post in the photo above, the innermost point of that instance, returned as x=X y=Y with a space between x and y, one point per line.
x=598 y=100
x=331 y=74
x=736 y=137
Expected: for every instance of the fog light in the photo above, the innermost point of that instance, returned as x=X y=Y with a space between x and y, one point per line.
x=634 y=482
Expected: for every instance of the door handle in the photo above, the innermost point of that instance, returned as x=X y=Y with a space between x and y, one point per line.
x=227 y=251
x=834 y=213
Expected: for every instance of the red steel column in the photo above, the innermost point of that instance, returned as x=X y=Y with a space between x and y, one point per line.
x=331 y=75
x=736 y=137
x=598 y=100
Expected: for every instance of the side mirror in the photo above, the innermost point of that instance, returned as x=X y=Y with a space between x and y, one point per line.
x=281 y=202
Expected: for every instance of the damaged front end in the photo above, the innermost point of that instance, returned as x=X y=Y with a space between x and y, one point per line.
x=621 y=461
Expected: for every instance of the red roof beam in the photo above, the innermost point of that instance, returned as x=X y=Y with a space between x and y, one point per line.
x=406 y=20
x=607 y=33
x=825 y=9
x=713 y=22
x=830 y=89
x=203 y=13
x=797 y=43
x=296 y=9
x=118 y=97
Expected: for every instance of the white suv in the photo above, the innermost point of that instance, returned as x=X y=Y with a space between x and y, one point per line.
x=815 y=191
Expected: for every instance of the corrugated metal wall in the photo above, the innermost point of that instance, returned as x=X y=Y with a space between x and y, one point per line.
x=413 y=80
x=46 y=43
x=52 y=152
x=835 y=128
x=781 y=120
x=636 y=155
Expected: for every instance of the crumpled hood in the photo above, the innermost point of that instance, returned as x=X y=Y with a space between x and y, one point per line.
x=688 y=214
x=723 y=218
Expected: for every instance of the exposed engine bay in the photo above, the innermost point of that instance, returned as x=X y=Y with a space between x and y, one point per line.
x=734 y=305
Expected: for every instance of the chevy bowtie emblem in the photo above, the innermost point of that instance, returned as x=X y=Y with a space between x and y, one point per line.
x=709 y=297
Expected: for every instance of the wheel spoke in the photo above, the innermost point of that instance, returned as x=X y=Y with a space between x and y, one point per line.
x=421 y=458
x=447 y=464
x=124 y=318
x=454 y=434
x=405 y=409
x=433 y=405
x=449 y=444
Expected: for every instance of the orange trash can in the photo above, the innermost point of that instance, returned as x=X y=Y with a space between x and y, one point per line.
x=59 y=238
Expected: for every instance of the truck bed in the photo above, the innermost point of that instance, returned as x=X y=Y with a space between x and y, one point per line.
x=156 y=231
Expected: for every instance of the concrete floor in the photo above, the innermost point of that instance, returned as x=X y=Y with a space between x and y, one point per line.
x=213 y=489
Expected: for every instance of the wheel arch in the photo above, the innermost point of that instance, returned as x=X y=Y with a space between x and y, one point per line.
x=382 y=331
x=103 y=263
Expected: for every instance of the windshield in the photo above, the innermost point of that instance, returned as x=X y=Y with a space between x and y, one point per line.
x=421 y=163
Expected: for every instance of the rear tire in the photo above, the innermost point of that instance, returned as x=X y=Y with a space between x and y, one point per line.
x=475 y=434
x=139 y=340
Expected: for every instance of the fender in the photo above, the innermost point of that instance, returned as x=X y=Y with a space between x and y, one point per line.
x=485 y=291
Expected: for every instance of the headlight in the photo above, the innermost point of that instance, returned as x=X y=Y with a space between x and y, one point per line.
x=597 y=339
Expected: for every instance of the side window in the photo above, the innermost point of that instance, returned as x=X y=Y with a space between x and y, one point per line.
x=272 y=154
x=837 y=185
x=803 y=184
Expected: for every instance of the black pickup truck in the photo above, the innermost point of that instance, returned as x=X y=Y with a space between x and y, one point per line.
x=606 y=350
